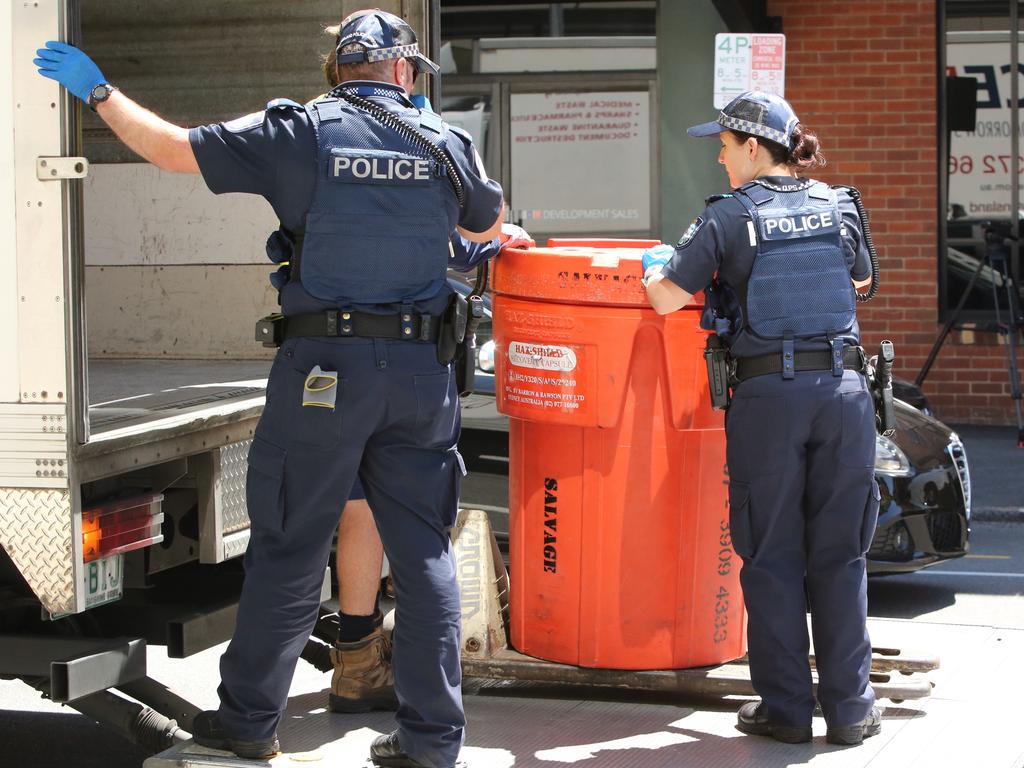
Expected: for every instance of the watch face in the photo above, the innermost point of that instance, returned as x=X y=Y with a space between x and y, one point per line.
x=101 y=92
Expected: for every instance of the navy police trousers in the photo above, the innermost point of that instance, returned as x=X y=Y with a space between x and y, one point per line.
x=396 y=423
x=803 y=507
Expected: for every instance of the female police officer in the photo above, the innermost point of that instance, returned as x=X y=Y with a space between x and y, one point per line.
x=777 y=256
x=378 y=188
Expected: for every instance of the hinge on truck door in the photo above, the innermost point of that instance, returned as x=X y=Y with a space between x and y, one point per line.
x=56 y=168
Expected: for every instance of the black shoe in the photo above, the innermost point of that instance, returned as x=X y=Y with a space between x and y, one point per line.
x=207 y=731
x=751 y=720
x=386 y=751
x=850 y=735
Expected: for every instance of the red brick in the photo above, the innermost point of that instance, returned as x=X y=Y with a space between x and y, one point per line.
x=879 y=134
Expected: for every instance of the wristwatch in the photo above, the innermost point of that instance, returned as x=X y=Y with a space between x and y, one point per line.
x=100 y=93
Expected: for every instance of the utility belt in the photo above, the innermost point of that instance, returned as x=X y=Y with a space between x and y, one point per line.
x=274 y=330
x=453 y=331
x=853 y=358
x=725 y=372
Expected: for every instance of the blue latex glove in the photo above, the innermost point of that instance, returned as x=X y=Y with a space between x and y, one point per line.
x=70 y=67
x=658 y=256
x=421 y=102
x=514 y=236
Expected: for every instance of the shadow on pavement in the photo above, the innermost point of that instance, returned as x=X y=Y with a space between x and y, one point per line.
x=82 y=743
x=898 y=597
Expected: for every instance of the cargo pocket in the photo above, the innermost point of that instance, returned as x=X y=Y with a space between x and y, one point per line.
x=857 y=447
x=436 y=410
x=740 y=528
x=867 y=529
x=757 y=441
x=264 y=486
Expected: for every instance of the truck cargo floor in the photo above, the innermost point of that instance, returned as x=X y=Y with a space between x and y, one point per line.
x=125 y=393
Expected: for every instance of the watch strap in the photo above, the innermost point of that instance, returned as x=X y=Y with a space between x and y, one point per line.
x=93 y=100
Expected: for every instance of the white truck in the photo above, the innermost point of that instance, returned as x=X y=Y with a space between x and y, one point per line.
x=130 y=389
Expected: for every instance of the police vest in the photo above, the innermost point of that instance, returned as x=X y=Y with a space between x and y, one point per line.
x=378 y=227
x=800 y=284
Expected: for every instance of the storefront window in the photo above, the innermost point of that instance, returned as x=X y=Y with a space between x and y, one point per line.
x=978 y=251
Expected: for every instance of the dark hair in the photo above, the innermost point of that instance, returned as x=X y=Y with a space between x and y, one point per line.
x=805 y=155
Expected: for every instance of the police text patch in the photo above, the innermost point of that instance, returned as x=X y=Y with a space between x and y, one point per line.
x=798 y=224
x=690 y=232
x=377 y=168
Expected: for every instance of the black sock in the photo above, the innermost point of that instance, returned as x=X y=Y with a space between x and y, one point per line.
x=353 y=628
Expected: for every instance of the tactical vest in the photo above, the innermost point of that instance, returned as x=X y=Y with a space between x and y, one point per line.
x=378 y=227
x=800 y=286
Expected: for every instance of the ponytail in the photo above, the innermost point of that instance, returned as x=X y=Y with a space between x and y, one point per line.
x=806 y=153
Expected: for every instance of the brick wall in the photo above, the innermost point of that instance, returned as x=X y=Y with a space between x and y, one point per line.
x=863 y=76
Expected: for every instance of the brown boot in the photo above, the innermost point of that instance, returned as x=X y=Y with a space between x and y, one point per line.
x=362 y=678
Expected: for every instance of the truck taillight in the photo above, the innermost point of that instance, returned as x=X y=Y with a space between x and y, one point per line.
x=121 y=526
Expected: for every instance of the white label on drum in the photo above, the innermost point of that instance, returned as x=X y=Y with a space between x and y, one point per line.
x=541 y=356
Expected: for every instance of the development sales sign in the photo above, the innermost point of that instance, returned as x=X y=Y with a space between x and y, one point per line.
x=749 y=63
x=543 y=377
x=581 y=162
x=980 y=163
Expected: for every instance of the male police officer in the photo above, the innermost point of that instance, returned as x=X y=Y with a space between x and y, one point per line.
x=374 y=206
x=363 y=678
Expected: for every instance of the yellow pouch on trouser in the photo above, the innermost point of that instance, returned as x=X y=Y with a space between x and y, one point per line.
x=320 y=389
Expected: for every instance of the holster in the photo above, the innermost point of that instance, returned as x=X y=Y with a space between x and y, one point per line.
x=452 y=332
x=880 y=380
x=716 y=357
x=270 y=330
x=465 y=358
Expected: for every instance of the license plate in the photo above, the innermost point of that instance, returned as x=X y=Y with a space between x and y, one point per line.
x=102 y=580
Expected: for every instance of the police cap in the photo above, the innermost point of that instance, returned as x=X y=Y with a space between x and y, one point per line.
x=376 y=35
x=757 y=113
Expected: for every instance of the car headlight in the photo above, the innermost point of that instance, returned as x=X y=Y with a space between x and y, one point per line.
x=485 y=356
x=890 y=458
x=955 y=449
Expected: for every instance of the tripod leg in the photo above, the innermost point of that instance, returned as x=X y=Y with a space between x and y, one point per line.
x=950 y=321
x=1011 y=329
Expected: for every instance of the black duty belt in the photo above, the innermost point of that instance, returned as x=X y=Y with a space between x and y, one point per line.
x=340 y=323
x=762 y=365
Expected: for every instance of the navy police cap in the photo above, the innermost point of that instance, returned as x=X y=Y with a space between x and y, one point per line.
x=757 y=113
x=376 y=35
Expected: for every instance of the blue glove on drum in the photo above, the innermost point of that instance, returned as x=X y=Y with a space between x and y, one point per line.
x=514 y=236
x=657 y=257
x=70 y=67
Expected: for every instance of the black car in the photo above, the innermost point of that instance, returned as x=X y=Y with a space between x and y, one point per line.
x=922 y=470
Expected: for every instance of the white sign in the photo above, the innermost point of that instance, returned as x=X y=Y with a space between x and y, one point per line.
x=472 y=121
x=748 y=63
x=979 y=160
x=581 y=162
x=541 y=356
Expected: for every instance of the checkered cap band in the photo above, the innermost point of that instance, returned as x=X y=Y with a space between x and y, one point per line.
x=397 y=52
x=755 y=129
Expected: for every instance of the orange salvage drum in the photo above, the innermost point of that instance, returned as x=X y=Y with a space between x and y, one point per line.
x=618 y=495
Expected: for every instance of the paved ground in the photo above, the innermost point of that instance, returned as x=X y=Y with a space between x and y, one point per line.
x=967 y=611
